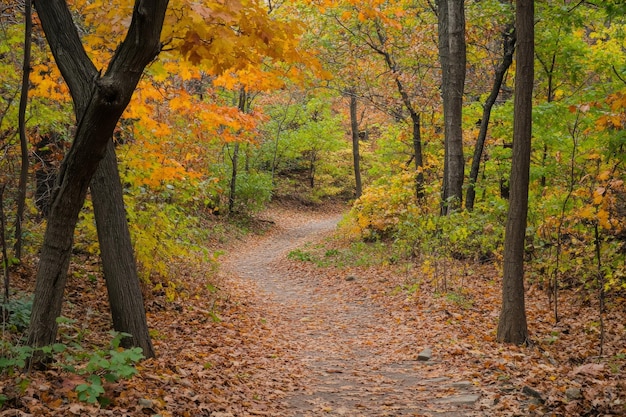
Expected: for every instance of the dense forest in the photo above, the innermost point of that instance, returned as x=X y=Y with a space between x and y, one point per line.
x=140 y=139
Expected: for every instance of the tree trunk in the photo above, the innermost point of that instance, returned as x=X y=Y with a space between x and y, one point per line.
x=508 y=45
x=443 y=34
x=104 y=99
x=417 y=150
x=21 y=189
x=453 y=59
x=3 y=247
x=512 y=326
x=456 y=160
x=243 y=106
x=356 y=157
x=312 y=161
x=233 y=178
x=118 y=261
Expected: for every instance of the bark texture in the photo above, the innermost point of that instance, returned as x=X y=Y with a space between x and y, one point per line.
x=512 y=326
x=444 y=61
x=118 y=260
x=417 y=151
x=356 y=157
x=451 y=17
x=99 y=101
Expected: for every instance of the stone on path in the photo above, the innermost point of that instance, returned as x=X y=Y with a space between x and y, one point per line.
x=573 y=393
x=425 y=355
x=466 y=399
x=462 y=384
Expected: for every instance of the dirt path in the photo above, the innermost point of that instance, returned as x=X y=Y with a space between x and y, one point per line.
x=357 y=357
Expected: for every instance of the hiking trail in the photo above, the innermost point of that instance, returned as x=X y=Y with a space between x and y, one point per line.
x=359 y=360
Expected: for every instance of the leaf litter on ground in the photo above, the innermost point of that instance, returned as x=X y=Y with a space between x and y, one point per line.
x=284 y=337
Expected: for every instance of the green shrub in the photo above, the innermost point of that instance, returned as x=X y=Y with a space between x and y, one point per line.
x=390 y=212
x=476 y=235
x=109 y=365
x=17 y=312
x=252 y=192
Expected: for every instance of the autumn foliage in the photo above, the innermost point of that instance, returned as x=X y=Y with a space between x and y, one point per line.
x=247 y=106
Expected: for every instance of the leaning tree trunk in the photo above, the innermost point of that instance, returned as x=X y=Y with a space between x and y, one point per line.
x=104 y=99
x=414 y=114
x=508 y=45
x=512 y=326
x=118 y=260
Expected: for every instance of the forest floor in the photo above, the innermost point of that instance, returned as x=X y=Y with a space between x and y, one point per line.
x=287 y=326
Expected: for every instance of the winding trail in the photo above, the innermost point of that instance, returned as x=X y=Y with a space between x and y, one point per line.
x=359 y=360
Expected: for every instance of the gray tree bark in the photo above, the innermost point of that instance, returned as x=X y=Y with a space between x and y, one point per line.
x=512 y=326
x=451 y=17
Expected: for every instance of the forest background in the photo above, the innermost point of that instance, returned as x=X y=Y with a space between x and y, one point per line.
x=249 y=103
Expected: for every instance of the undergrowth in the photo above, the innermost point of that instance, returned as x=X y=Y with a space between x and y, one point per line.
x=93 y=367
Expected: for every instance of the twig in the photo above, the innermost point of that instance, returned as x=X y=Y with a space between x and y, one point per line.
x=559 y=244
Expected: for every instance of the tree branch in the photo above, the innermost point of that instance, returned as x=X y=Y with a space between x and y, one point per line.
x=76 y=68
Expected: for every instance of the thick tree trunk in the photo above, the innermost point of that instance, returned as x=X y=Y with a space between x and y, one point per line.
x=444 y=61
x=356 y=157
x=512 y=326
x=456 y=160
x=103 y=98
x=453 y=60
x=118 y=261
x=508 y=45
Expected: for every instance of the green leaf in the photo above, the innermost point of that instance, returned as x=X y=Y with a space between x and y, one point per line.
x=59 y=347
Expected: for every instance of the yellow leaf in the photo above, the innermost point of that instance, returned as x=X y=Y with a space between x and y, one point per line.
x=587 y=212
x=604 y=175
x=598 y=194
x=603 y=219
